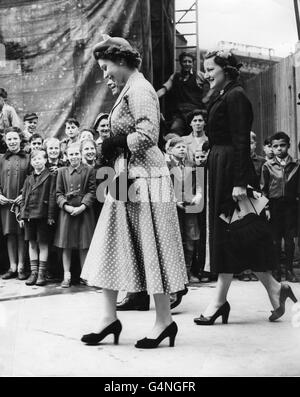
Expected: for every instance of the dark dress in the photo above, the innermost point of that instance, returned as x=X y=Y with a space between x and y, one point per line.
x=14 y=169
x=75 y=187
x=229 y=164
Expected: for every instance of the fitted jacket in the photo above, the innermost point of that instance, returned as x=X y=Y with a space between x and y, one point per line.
x=38 y=196
x=278 y=181
x=230 y=118
x=136 y=114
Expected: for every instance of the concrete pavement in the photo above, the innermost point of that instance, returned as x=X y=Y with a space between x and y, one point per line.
x=41 y=327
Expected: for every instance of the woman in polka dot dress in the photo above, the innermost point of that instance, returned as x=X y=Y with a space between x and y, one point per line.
x=136 y=245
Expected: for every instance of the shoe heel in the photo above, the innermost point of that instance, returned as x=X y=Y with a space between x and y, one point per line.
x=225 y=317
x=172 y=341
x=292 y=296
x=116 y=338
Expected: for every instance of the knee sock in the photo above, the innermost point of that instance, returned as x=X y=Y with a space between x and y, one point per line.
x=42 y=266
x=34 y=265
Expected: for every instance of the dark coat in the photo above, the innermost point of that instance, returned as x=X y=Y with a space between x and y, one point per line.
x=14 y=169
x=38 y=196
x=229 y=123
x=229 y=164
x=76 y=191
x=75 y=187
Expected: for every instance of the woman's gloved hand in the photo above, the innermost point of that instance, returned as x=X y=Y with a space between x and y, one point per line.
x=110 y=145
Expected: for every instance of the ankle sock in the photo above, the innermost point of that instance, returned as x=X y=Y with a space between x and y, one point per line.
x=34 y=266
x=42 y=266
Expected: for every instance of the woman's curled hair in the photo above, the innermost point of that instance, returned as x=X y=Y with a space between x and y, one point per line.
x=119 y=53
x=228 y=62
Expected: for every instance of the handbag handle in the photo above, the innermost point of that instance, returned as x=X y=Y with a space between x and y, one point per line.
x=238 y=208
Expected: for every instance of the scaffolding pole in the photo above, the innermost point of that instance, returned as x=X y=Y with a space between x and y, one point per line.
x=296 y=6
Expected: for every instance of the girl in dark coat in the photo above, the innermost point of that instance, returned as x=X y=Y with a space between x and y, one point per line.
x=230 y=172
x=75 y=195
x=14 y=167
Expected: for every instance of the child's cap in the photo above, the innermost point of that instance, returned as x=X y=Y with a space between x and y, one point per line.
x=30 y=116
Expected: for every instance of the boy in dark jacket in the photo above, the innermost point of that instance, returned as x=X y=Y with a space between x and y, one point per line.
x=38 y=209
x=279 y=183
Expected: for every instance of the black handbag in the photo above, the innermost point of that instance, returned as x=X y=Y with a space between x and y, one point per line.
x=244 y=234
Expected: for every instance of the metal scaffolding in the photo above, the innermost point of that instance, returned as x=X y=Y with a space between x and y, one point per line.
x=186 y=29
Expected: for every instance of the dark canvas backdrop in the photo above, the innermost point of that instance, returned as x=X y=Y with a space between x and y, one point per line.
x=46 y=63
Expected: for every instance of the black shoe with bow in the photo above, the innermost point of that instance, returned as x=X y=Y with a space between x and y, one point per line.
x=222 y=311
x=114 y=328
x=169 y=332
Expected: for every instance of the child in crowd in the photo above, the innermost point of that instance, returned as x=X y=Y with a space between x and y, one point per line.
x=75 y=195
x=30 y=126
x=195 y=140
x=257 y=160
x=87 y=133
x=200 y=160
x=72 y=131
x=200 y=157
x=89 y=152
x=36 y=142
x=38 y=208
x=181 y=170
x=14 y=167
x=268 y=149
x=280 y=185
x=54 y=162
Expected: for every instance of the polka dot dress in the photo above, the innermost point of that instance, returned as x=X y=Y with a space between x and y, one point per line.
x=137 y=244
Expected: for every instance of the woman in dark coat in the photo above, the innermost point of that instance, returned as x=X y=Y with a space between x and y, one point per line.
x=230 y=172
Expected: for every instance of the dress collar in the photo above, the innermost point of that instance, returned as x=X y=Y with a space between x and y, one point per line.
x=19 y=153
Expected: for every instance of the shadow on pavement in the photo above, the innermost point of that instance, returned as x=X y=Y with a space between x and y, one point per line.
x=48 y=290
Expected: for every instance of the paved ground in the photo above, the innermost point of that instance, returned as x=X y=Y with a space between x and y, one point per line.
x=40 y=330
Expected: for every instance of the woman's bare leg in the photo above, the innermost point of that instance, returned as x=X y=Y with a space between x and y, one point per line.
x=163 y=315
x=220 y=295
x=109 y=308
x=272 y=286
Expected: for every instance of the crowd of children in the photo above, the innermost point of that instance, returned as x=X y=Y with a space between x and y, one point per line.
x=48 y=195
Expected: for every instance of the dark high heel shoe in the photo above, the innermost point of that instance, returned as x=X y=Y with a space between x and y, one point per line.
x=169 y=332
x=114 y=328
x=222 y=311
x=285 y=292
